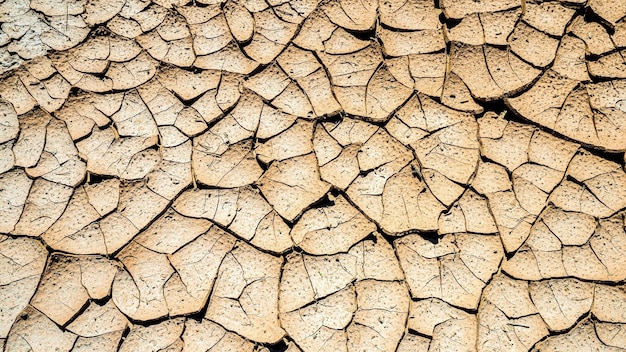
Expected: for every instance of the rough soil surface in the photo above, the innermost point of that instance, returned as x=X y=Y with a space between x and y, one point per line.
x=297 y=175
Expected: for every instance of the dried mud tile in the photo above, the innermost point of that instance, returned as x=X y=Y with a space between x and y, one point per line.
x=583 y=336
x=32 y=330
x=273 y=122
x=470 y=213
x=292 y=185
x=206 y=335
x=352 y=15
x=22 y=261
x=188 y=85
x=398 y=200
x=610 y=11
x=320 y=325
x=561 y=302
x=59 y=161
x=570 y=59
x=293 y=101
x=229 y=58
x=127 y=75
x=197 y=265
x=307 y=278
x=342 y=169
x=409 y=15
x=83 y=112
x=294 y=141
x=47 y=198
x=343 y=42
x=268 y=83
x=608 y=67
x=572 y=228
x=177 y=52
x=65 y=32
x=78 y=214
x=456 y=95
x=498 y=72
x=14 y=190
x=413 y=343
x=425 y=315
x=32 y=138
x=157 y=236
x=153 y=338
x=331 y=229
x=13 y=90
x=597 y=40
x=549 y=17
x=138 y=288
x=315 y=30
x=533 y=46
x=606 y=182
x=407 y=43
x=124 y=27
x=355 y=69
x=98 y=320
x=245 y=295
x=456 y=269
x=49 y=94
x=448 y=155
x=384 y=94
x=608 y=303
x=9 y=123
x=100 y=11
x=611 y=334
x=497 y=332
x=456 y=334
x=218 y=164
x=61 y=294
x=240 y=21
x=106 y=342
x=608 y=117
x=270 y=37
x=459 y=9
x=378 y=323
x=508 y=318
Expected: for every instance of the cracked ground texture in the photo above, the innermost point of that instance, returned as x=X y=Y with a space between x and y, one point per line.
x=297 y=175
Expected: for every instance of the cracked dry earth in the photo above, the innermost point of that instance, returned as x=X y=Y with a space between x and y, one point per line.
x=295 y=175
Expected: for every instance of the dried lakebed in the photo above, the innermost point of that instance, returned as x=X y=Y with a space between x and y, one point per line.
x=296 y=175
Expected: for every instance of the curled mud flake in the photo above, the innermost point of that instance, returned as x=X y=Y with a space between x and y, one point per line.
x=414 y=343
x=612 y=335
x=608 y=303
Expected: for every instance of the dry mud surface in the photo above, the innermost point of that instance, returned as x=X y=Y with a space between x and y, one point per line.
x=295 y=175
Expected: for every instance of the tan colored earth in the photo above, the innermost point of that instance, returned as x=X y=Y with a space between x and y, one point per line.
x=297 y=175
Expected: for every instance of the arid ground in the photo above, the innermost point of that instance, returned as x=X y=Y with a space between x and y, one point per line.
x=297 y=175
